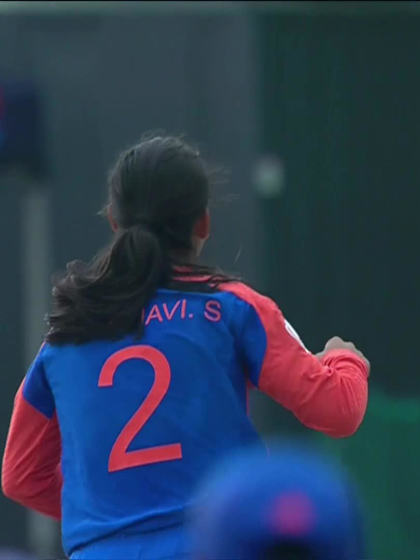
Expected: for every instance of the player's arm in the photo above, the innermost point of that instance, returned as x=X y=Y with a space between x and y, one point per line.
x=327 y=392
x=31 y=471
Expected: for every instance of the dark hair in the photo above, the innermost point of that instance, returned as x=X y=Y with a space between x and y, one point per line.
x=158 y=190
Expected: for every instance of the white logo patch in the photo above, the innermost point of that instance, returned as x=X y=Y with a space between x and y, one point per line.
x=295 y=335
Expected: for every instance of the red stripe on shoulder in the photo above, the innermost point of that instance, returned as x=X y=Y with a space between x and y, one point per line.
x=267 y=310
x=244 y=292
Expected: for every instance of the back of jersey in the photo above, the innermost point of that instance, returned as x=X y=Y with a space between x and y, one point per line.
x=142 y=420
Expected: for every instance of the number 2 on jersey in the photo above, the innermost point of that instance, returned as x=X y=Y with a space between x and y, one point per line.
x=119 y=457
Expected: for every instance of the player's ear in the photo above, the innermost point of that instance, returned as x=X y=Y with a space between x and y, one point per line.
x=202 y=226
x=112 y=222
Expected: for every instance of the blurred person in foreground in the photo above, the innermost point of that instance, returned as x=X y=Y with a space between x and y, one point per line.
x=141 y=383
x=292 y=504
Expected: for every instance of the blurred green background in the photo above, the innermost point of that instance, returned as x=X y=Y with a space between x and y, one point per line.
x=315 y=110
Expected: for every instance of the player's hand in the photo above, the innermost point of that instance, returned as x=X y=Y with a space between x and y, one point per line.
x=337 y=343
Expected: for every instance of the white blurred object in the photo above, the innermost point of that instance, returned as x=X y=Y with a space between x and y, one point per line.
x=269 y=176
x=294 y=334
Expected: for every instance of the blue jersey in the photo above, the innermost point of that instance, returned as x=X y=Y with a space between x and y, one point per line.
x=122 y=431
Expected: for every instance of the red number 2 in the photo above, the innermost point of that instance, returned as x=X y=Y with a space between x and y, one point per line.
x=119 y=457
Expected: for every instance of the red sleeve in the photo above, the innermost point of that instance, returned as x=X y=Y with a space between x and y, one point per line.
x=31 y=472
x=328 y=395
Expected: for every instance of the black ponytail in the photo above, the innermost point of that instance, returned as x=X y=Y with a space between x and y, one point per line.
x=158 y=190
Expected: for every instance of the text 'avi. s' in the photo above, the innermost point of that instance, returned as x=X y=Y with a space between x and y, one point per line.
x=162 y=312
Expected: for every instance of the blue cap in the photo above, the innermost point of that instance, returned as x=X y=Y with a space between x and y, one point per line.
x=292 y=497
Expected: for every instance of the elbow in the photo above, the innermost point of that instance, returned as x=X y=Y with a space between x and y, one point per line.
x=15 y=486
x=336 y=428
x=342 y=414
x=13 y=478
x=346 y=427
x=349 y=415
x=35 y=490
x=11 y=489
x=31 y=497
x=338 y=423
x=346 y=421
